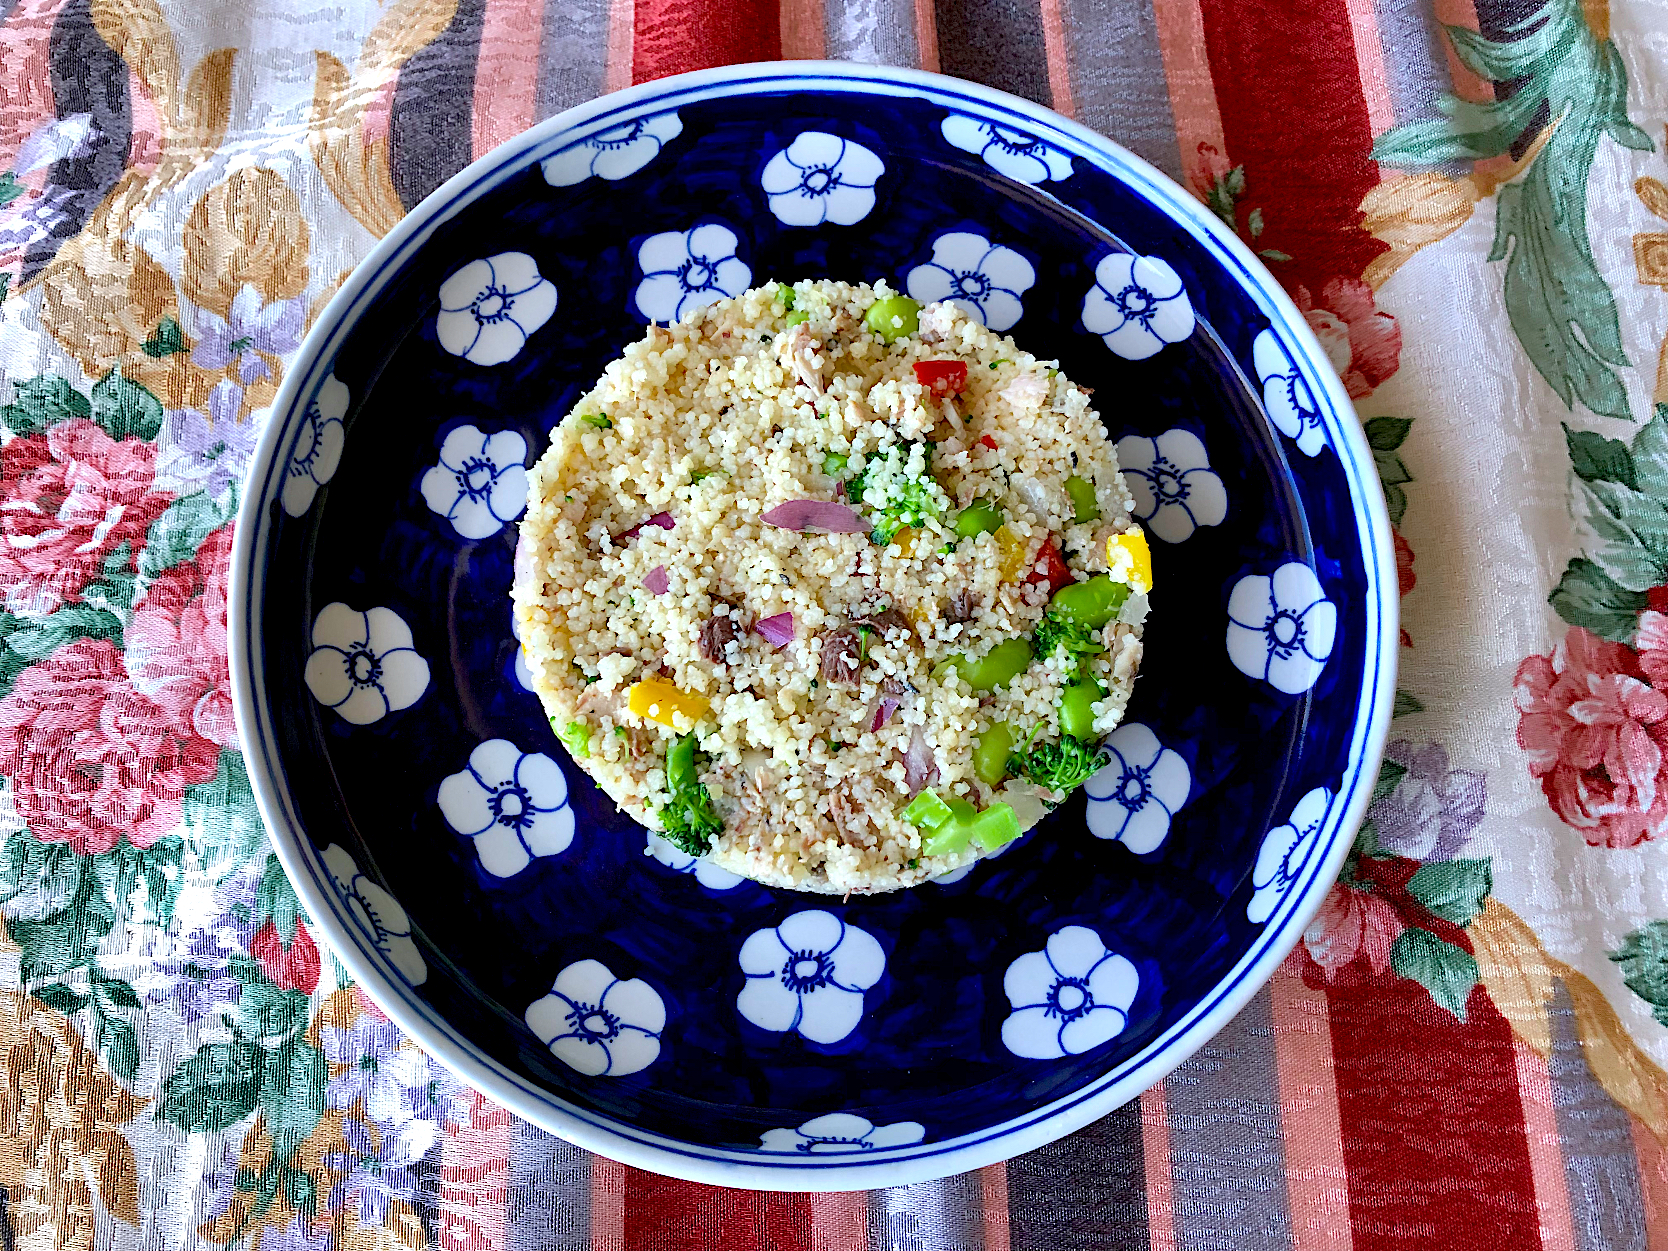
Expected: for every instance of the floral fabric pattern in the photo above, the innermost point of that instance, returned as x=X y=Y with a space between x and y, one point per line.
x=820 y=178
x=490 y=306
x=983 y=279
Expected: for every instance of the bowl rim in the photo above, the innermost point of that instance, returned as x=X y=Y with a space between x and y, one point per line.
x=659 y=1153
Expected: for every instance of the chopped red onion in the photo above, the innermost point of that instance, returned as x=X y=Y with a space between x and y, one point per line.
x=655 y=581
x=824 y=515
x=777 y=630
x=883 y=713
x=663 y=520
x=920 y=769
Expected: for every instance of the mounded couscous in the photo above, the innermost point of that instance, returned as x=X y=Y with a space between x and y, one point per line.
x=840 y=591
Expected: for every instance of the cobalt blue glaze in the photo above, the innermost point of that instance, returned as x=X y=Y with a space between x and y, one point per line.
x=928 y=1048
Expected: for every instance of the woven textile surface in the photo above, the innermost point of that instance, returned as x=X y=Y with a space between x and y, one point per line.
x=1469 y=202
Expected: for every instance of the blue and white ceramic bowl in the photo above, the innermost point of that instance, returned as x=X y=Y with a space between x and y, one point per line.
x=654 y=1008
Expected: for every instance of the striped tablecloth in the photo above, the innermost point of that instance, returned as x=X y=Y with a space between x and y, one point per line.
x=1468 y=202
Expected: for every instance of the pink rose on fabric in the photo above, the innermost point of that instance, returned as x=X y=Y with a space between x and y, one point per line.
x=1363 y=344
x=176 y=644
x=295 y=967
x=1352 y=924
x=1595 y=732
x=92 y=759
x=1652 y=645
x=71 y=496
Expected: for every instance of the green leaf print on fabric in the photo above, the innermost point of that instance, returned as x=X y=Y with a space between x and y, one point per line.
x=1385 y=435
x=1453 y=889
x=221 y=820
x=214 y=1089
x=1447 y=971
x=1560 y=307
x=125 y=409
x=1643 y=956
x=177 y=534
x=38 y=403
x=167 y=340
x=1624 y=493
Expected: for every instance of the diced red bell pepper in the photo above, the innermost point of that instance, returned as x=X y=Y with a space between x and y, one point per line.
x=1054 y=569
x=942 y=377
x=988 y=442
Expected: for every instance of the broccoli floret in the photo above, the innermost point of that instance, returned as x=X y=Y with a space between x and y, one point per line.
x=1057 y=631
x=898 y=487
x=688 y=819
x=1062 y=766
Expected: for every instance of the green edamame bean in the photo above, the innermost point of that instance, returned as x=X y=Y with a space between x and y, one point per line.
x=991 y=753
x=997 y=667
x=1083 y=502
x=786 y=294
x=894 y=317
x=794 y=318
x=834 y=464
x=1092 y=603
x=979 y=517
x=1077 y=714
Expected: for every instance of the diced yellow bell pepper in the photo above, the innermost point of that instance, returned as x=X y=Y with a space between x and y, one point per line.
x=1129 y=559
x=1013 y=553
x=657 y=699
x=905 y=538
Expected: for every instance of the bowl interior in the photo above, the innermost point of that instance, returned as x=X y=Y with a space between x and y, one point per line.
x=465 y=952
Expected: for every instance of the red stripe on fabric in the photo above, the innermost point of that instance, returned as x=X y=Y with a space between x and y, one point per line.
x=1317 y=1184
x=608 y=1190
x=671 y=1215
x=1155 y=1150
x=1181 y=46
x=675 y=36
x=622 y=19
x=803 y=35
x=926 y=35
x=1293 y=113
x=993 y=1191
x=839 y=1220
x=1432 y=1117
x=506 y=71
x=471 y=1213
x=1546 y=1149
x=1058 y=52
x=1653 y=1184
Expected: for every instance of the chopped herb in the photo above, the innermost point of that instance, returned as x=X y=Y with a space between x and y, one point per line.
x=864 y=634
x=1003 y=361
x=586 y=678
x=701 y=475
x=786 y=294
x=835 y=746
x=913 y=864
x=688 y=818
x=619 y=731
x=1062 y=766
x=597 y=420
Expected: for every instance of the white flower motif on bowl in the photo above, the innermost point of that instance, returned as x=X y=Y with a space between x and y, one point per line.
x=318 y=446
x=490 y=306
x=1175 y=488
x=1137 y=305
x=809 y=974
x=1285 y=854
x=363 y=664
x=613 y=154
x=1281 y=628
x=1290 y=403
x=599 y=1024
x=1019 y=156
x=1133 y=798
x=1068 y=998
x=984 y=279
x=480 y=484
x=820 y=178
x=840 y=1133
x=378 y=913
x=700 y=868
x=514 y=804
x=684 y=270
